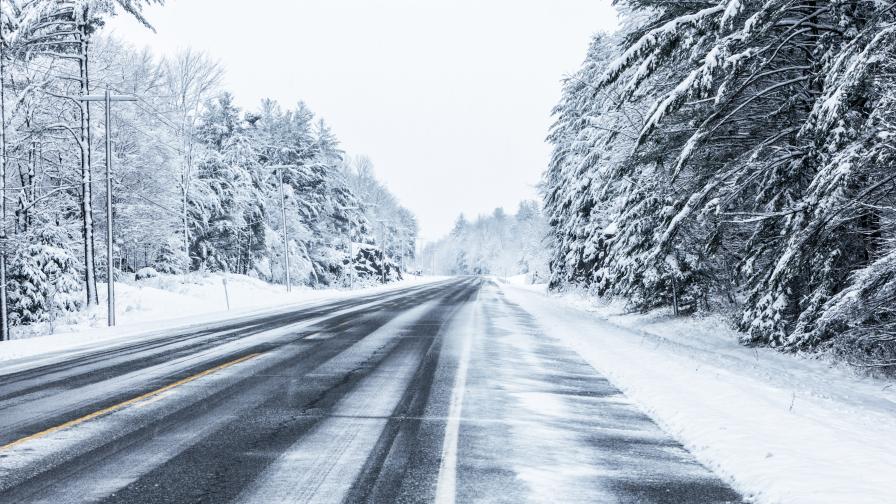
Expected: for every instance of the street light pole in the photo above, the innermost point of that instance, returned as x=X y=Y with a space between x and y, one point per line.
x=108 y=98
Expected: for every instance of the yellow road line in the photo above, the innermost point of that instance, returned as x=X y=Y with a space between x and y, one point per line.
x=124 y=404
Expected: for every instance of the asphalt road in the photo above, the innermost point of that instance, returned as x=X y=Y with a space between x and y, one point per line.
x=442 y=393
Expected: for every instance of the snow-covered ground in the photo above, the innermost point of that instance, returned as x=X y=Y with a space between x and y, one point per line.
x=523 y=281
x=779 y=428
x=169 y=301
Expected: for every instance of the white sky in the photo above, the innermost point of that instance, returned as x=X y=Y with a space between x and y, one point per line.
x=451 y=99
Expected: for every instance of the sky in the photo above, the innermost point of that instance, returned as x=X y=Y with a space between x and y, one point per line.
x=451 y=99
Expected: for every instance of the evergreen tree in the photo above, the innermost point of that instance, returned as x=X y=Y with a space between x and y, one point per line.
x=45 y=277
x=732 y=151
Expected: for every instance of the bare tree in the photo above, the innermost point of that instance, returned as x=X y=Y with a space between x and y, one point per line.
x=192 y=77
x=61 y=29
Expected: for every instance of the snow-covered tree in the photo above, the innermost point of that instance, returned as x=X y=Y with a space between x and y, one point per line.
x=45 y=277
x=61 y=30
x=731 y=152
x=196 y=179
x=390 y=225
x=496 y=244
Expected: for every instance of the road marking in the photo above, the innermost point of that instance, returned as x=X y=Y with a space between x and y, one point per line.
x=447 y=482
x=110 y=409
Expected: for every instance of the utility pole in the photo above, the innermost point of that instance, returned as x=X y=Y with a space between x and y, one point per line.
x=351 y=247
x=383 y=247
x=351 y=259
x=400 y=250
x=285 y=237
x=108 y=98
x=351 y=251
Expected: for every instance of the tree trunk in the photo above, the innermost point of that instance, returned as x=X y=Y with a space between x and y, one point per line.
x=86 y=182
x=4 y=314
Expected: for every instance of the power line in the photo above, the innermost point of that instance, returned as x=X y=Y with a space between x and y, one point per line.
x=150 y=136
x=159 y=205
x=159 y=114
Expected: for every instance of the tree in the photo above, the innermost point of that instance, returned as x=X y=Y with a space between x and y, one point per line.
x=45 y=277
x=499 y=244
x=225 y=162
x=393 y=224
x=192 y=77
x=731 y=151
x=61 y=29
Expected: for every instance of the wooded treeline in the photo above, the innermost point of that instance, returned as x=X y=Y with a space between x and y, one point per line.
x=496 y=244
x=737 y=154
x=199 y=184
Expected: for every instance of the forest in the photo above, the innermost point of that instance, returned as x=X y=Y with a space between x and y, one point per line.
x=497 y=244
x=736 y=156
x=197 y=184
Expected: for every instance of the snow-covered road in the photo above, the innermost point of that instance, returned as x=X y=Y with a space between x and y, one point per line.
x=446 y=392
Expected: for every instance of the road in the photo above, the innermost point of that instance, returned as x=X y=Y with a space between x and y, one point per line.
x=445 y=392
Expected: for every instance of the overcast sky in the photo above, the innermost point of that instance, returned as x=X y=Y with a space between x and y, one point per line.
x=451 y=99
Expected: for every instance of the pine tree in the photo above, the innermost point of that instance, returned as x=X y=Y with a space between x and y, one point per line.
x=45 y=277
x=731 y=150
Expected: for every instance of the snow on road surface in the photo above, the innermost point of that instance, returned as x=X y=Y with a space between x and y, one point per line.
x=522 y=403
x=780 y=428
x=322 y=466
x=447 y=393
x=540 y=425
x=446 y=483
x=250 y=381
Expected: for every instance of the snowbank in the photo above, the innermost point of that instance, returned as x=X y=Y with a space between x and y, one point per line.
x=523 y=281
x=170 y=301
x=779 y=428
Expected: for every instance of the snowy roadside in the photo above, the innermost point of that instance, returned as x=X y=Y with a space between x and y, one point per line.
x=779 y=428
x=152 y=307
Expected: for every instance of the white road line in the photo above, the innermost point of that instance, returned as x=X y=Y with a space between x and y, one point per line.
x=446 y=487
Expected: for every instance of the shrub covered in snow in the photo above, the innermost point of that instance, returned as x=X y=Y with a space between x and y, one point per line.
x=146 y=273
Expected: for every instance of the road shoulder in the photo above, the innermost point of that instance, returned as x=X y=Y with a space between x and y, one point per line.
x=751 y=416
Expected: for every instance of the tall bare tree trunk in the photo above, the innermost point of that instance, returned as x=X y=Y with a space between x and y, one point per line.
x=86 y=179
x=4 y=313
